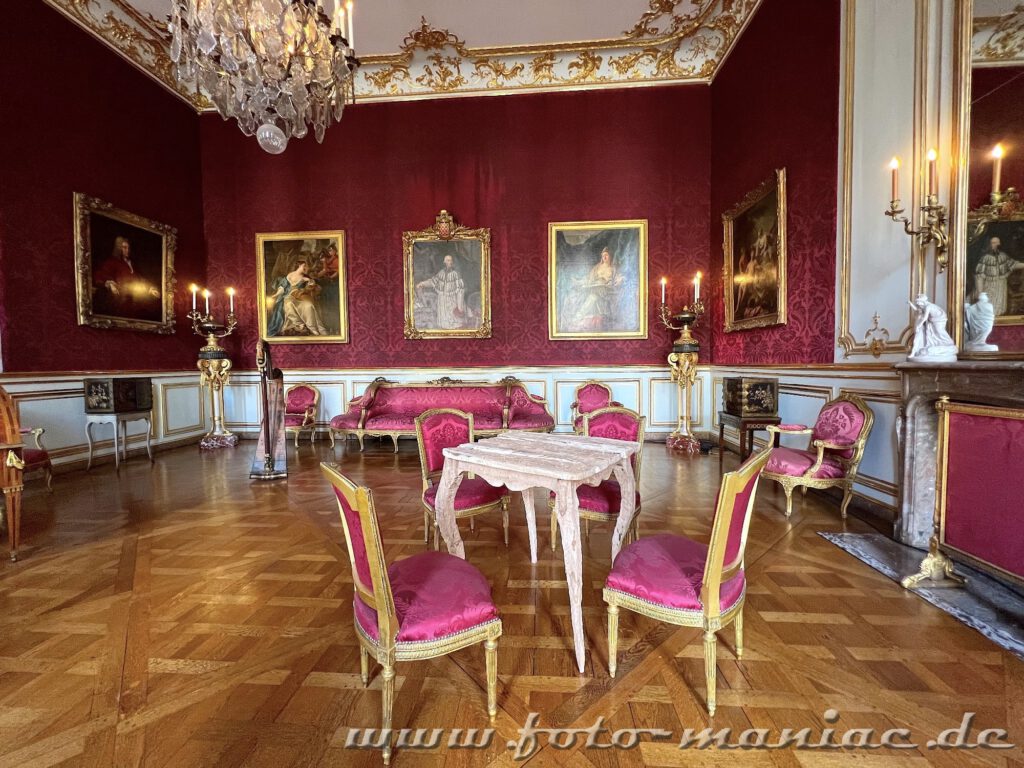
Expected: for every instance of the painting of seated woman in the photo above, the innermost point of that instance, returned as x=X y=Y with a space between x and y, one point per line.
x=302 y=280
x=597 y=271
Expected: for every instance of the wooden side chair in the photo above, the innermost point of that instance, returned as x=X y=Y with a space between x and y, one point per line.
x=833 y=453
x=590 y=396
x=422 y=607
x=680 y=581
x=601 y=502
x=301 y=402
x=38 y=458
x=442 y=428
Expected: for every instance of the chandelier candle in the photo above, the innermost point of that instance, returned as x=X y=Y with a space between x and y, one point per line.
x=997 y=167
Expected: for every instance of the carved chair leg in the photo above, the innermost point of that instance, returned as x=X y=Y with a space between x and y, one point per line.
x=710 y=668
x=847 y=498
x=330 y=434
x=394 y=438
x=364 y=665
x=613 y=638
x=586 y=527
x=359 y=437
x=472 y=523
x=738 y=626
x=387 y=702
x=426 y=526
x=504 y=518
x=491 y=652
x=554 y=529
x=789 y=499
x=312 y=435
x=49 y=479
x=437 y=538
x=297 y=437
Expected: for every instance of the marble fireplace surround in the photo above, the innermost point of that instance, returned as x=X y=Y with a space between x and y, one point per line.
x=997 y=382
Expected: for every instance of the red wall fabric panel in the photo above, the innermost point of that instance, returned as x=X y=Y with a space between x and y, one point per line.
x=775 y=104
x=512 y=164
x=78 y=118
x=996 y=96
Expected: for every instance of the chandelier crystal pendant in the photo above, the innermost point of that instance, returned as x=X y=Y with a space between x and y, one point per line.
x=276 y=66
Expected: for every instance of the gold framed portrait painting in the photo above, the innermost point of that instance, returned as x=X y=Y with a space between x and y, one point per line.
x=597 y=278
x=124 y=264
x=755 y=257
x=302 y=281
x=995 y=258
x=447 y=281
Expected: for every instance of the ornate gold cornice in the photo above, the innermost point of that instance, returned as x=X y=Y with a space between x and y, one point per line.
x=999 y=40
x=666 y=45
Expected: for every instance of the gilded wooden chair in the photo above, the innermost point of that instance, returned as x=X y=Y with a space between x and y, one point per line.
x=300 y=406
x=442 y=428
x=590 y=396
x=601 y=502
x=833 y=454
x=680 y=581
x=38 y=458
x=422 y=607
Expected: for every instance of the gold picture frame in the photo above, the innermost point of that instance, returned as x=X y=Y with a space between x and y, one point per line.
x=597 y=279
x=755 y=285
x=302 y=285
x=124 y=267
x=1003 y=220
x=447 y=273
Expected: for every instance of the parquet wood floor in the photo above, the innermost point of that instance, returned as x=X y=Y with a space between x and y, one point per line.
x=180 y=615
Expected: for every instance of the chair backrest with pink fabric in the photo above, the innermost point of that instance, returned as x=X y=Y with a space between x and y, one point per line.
x=300 y=397
x=591 y=396
x=413 y=399
x=365 y=550
x=729 y=529
x=617 y=423
x=842 y=421
x=436 y=430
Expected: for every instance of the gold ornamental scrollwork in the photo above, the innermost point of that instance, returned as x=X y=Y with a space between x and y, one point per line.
x=876 y=338
x=999 y=39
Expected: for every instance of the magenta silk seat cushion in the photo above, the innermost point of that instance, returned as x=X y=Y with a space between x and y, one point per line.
x=417 y=400
x=34 y=458
x=299 y=399
x=531 y=421
x=436 y=595
x=348 y=420
x=605 y=497
x=392 y=421
x=473 y=492
x=294 y=419
x=794 y=463
x=668 y=570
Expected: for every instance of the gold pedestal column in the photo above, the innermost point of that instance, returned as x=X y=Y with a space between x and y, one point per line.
x=683 y=363
x=214 y=368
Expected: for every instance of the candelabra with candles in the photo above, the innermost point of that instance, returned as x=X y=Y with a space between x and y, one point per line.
x=933 y=229
x=214 y=364
x=1002 y=202
x=683 y=362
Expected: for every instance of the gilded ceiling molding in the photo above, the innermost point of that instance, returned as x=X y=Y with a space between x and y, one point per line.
x=999 y=40
x=665 y=46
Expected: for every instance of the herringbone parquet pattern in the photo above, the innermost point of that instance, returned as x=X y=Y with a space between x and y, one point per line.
x=181 y=615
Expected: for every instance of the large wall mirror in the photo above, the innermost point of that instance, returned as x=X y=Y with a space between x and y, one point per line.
x=989 y=284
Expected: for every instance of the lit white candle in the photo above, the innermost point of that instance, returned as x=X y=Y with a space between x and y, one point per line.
x=231 y=299
x=933 y=179
x=696 y=287
x=664 y=282
x=195 y=289
x=894 y=168
x=351 y=35
x=206 y=295
x=997 y=167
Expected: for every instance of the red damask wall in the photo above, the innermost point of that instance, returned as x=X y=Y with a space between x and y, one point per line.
x=512 y=164
x=775 y=104
x=96 y=126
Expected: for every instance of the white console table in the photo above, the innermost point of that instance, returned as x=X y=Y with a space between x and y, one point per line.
x=120 y=421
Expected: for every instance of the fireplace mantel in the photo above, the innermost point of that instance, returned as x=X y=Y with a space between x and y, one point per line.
x=995 y=382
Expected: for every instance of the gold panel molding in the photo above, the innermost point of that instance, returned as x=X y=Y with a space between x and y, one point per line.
x=672 y=42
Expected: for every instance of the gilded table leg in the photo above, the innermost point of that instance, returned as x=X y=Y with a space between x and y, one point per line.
x=531 y=522
x=568 y=509
x=444 y=508
x=12 y=498
x=627 y=508
x=149 y=436
x=88 y=438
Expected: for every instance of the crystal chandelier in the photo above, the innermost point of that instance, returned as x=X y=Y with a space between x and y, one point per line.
x=276 y=66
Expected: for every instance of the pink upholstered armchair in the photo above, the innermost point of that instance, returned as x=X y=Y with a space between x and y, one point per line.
x=833 y=454
x=422 y=607
x=300 y=407
x=589 y=397
x=680 y=581
x=442 y=428
x=37 y=458
x=601 y=502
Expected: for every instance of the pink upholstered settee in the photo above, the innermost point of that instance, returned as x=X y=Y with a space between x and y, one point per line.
x=390 y=409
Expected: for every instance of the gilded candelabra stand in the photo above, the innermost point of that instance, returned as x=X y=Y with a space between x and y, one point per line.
x=214 y=372
x=933 y=229
x=683 y=362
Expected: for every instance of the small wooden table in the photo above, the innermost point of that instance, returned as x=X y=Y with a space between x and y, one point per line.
x=746 y=425
x=522 y=461
x=120 y=422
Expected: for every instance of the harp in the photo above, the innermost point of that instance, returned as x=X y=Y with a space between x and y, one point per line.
x=271 y=459
x=11 y=467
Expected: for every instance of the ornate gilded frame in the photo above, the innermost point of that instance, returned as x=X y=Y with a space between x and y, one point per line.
x=1009 y=209
x=446 y=230
x=84 y=209
x=569 y=226
x=775 y=184
x=338 y=236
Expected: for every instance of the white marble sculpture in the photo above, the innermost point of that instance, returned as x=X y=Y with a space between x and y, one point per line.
x=979 y=319
x=932 y=344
